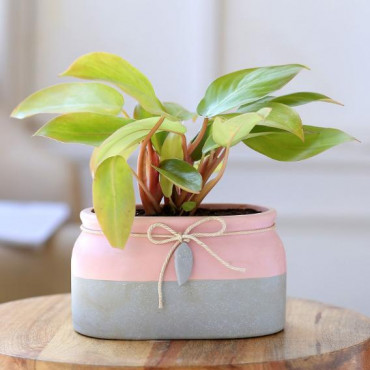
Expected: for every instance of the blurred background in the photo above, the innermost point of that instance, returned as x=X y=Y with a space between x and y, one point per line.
x=323 y=203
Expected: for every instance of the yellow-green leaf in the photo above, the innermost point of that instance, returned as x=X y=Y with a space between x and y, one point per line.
x=112 y=68
x=125 y=139
x=175 y=111
x=114 y=200
x=284 y=118
x=228 y=132
x=178 y=111
x=141 y=113
x=83 y=128
x=300 y=98
x=292 y=100
x=283 y=146
x=71 y=97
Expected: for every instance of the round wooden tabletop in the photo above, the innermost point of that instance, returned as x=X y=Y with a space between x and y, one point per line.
x=37 y=333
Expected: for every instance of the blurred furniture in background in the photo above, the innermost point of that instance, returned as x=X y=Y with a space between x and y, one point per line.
x=29 y=272
x=29 y=172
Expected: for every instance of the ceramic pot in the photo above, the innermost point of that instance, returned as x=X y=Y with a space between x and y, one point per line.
x=115 y=292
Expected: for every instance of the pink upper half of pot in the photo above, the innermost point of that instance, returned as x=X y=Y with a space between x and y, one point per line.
x=260 y=253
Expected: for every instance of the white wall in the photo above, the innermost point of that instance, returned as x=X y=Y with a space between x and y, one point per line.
x=331 y=37
x=160 y=40
x=323 y=203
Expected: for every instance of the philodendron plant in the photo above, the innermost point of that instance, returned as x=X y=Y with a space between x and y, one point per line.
x=174 y=173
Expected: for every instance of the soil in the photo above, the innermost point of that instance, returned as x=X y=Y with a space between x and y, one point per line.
x=166 y=212
x=206 y=212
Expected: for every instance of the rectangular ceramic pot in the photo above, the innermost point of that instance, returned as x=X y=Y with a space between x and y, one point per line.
x=115 y=292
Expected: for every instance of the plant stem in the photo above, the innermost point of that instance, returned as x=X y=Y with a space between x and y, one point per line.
x=142 y=180
x=147 y=192
x=211 y=156
x=199 y=137
x=181 y=198
x=201 y=162
x=187 y=158
x=211 y=184
x=125 y=114
x=210 y=168
x=187 y=155
x=154 y=186
x=172 y=204
x=203 y=165
x=141 y=168
x=205 y=168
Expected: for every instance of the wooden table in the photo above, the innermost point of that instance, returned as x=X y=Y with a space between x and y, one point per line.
x=37 y=333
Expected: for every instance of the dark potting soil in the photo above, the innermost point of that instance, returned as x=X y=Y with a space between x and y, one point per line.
x=206 y=212
x=225 y=212
x=202 y=212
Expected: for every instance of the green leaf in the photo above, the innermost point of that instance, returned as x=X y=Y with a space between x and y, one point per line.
x=141 y=113
x=188 y=206
x=179 y=112
x=83 y=128
x=125 y=139
x=284 y=118
x=182 y=174
x=114 y=200
x=232 y=131
x=158 y=140
x=256 y=105
x=209 y=145
x=301 y=98
x=283 y=146
x=112 y=68
x=292 y=100
x=174 y=110
x=171 y=149
x=71 y=97
x=241 y=87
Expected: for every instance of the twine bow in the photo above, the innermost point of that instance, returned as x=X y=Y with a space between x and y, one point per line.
x=186 y=236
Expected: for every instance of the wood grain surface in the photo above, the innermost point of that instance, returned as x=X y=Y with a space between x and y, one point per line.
x=37 y=334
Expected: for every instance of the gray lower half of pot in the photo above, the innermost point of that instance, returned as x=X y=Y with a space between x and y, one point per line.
x=199 y=309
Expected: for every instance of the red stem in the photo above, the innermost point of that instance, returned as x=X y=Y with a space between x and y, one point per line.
x=199 y=137
x=148 y=195
x=154 y=185
x=211 y=166
x=211 y=184
x=142 y=180
x=141 y=170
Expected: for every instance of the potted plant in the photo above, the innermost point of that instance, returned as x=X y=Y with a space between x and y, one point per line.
x=174 y=267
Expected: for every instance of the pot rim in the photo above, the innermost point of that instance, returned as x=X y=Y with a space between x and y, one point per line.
x=262 y=210
x=265 y=217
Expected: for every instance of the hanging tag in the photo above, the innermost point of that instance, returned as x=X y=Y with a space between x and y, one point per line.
x=183 y=263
